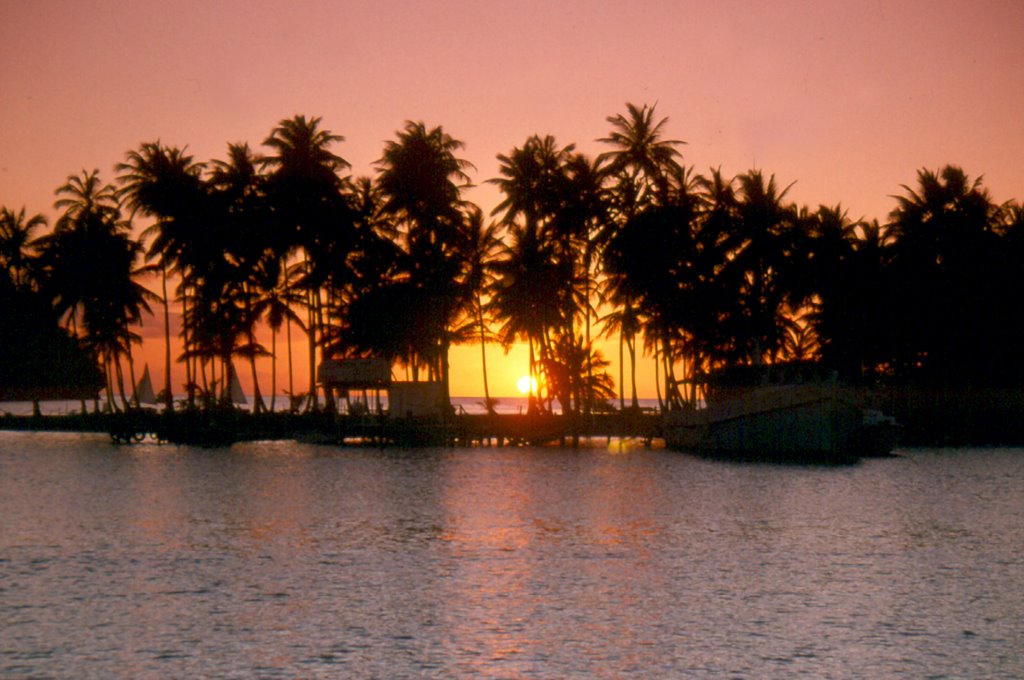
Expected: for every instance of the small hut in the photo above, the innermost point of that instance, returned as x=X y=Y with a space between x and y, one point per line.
x=416 y=400
x=343 y=377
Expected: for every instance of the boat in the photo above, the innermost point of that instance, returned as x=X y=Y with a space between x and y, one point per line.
x=235 y=386
x=144 y=395
x=815 y=422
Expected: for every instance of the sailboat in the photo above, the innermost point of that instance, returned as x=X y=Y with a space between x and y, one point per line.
x=237 y=396
x=144 y=389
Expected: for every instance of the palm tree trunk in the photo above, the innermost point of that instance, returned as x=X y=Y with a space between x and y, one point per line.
x=322 y=333
x=588 y=397
x=120 y=382
x=228 y=372
x=672 y=395
x=110 y=384
x=545 y=356
x=483 y=350
x=131 y=377
x=671 y=384
x=530 y=397
x=311 y=335
x=632 y=368
x=168 y=397
x=622 y=367
x=190 y=365
x=291 y=381
x=257 y=399
x=445 y=383
x=201 y=369
x=273 y=368
x=657 y=379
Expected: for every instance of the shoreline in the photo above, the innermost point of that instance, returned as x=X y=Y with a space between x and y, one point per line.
x=223 y=427
x=928 y=416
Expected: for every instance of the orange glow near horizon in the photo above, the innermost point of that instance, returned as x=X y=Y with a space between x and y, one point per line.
x=504 y=369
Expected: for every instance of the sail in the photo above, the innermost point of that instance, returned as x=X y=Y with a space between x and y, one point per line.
x=144 y=390
x=237 y=396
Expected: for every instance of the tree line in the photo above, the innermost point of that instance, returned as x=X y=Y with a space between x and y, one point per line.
x=699 y=271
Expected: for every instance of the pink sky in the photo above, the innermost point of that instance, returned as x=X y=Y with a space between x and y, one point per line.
x=847 y=99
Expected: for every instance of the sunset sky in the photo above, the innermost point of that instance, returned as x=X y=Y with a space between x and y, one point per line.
x=847 y=99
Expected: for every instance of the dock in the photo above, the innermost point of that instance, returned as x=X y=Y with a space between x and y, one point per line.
x=215 y=428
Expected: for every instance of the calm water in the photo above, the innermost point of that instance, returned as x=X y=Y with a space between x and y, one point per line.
x=287 y=560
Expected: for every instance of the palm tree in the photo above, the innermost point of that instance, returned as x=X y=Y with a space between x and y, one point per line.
x=16 y=243
x=945 y=263
x=716 y=301
x=89 y=207
x=545 y=221
x=165 y=183
x=640 y=164
x=532 y=178
x=597 y=387
x=623 y=321
x=845 y=284
x=237 y=190
x=521 y=300
x=89 y=261
x=653 y=263
x=800 y=340
x=276 y=306
x=38 y=354
x=84 y=199
x=421 y=180
x=582 y=213
x=763 y=266
x=483 y=244
x=641 y=158
x=311 y=213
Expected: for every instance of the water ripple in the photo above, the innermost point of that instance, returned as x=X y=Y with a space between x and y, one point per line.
x=285 y=560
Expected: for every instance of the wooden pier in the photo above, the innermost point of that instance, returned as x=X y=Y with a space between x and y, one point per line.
x=226 y=427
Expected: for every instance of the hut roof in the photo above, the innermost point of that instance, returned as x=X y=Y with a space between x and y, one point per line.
x=354 y=373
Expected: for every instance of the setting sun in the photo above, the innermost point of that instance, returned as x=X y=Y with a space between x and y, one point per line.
x=527 y=385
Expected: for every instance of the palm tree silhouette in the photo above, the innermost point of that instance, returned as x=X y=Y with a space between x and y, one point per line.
x=89 y=262
x=276 y=305
x=762 y=264
x=40 y=357
x=532 y=180
x=581 y=215
x=521 y=300
x=945 y=262
x=653 y=261
x=484 y=241
x=237 y=191
x=640 y=164
x=847 y=269
x=16 y=244
x=641 y=159
x=165 y=183
x=421 y=180
x=546 y=222
x=311 y=213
